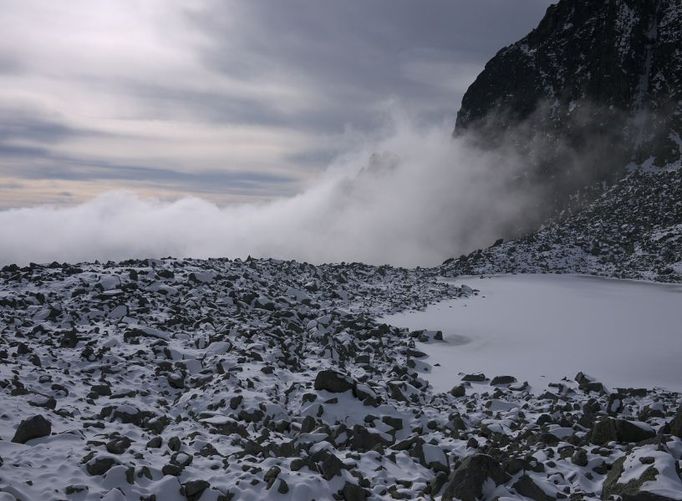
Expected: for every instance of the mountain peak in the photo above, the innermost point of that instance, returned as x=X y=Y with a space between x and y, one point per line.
x=607 y=67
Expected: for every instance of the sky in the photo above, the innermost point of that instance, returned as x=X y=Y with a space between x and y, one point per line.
x=229 y=101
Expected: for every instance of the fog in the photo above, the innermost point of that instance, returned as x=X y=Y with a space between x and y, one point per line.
x=409 y=196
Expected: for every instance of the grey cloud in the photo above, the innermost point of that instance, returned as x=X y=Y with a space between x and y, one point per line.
x=353 y=51
x=351 y=54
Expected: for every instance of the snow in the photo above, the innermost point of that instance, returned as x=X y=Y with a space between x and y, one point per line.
x=541 y=328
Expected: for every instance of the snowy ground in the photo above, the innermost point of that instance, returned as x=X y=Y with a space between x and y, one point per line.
x=541 y=328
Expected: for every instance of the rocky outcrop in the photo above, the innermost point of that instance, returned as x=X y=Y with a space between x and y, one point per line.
x=597 y=84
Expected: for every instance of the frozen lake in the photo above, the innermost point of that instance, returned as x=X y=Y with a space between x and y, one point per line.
x=540 y=328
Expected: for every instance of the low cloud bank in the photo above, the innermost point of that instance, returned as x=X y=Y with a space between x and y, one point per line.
x=412 y=197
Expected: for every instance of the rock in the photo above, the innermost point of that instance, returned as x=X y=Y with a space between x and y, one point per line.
x=174 y=444
x=118 y=445
x=34 y=427
x=589 y=384
x=283 y=487
x=466 y=482
x=352 y=492
x=364 y=440
x=195 y=488
x=393 y=422
x=676 y=424
x=620 y=430
x=474 y=378
x=579 y=458
x=155 y=443
x=433 y=457
x=528 y=488
x=100 y=465
x=171 y=469
x=631 y=432
x=330 y=466
x=603 y=432
x=181 y=459
x=503 y=380
x=271 y=475
x=458 y=391
x=333 y=382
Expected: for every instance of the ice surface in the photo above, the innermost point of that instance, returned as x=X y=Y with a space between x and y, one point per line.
x=541 y=328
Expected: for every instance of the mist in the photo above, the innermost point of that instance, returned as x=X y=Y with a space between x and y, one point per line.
x=409 y=196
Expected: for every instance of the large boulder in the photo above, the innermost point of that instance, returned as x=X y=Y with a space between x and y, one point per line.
x=333 y=382
x=467 y=481
x=34 y=427
x=620 y=430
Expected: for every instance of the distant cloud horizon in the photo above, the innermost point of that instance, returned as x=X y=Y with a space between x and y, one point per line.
x=230 y=101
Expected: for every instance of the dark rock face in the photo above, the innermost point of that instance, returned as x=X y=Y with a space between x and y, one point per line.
x=333 y=381
x=601 y=73
x=466 y=482
x=610 y=429
x=34 y=427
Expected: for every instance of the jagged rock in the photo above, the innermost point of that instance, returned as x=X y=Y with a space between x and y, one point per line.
x=621 y=430
x=502 y=380
x=333 y=382
x=364 y=440
x=466 y=482
x=353 y=492
x=474 y=378
x=282 y=486
x=34 y=427
x=100 y=465
x=676 y=424
x=155 y=443
x=271 y=475
x=579 y=457
x=528 y=488
x=118 y=445
x=193 y=489
x=458 y=391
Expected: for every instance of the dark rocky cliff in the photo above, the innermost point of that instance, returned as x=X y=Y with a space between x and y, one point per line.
x=600 y=79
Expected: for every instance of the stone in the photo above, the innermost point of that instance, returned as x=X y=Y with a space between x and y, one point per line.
x=34 y=427
x=499 y=380
x=333 y=382
x=466 y=482
x=195 y=488
x=458 y=391
x=118 y=445
x=579 y=457
x=528 y=488
x=100 y=465
x=676 y=424
x=353 y=492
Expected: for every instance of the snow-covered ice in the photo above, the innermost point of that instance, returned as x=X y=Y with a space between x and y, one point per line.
x=541 y=328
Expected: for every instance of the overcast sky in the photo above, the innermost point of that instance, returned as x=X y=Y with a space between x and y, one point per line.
x=227 y=100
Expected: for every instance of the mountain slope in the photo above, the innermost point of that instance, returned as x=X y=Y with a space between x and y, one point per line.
x=633 y=230
x=596 y=85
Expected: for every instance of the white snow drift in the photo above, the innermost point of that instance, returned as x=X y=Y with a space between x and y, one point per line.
x=541 y=328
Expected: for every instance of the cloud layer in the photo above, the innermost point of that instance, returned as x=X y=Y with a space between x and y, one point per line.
x=413 y=196
x=169 y=97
